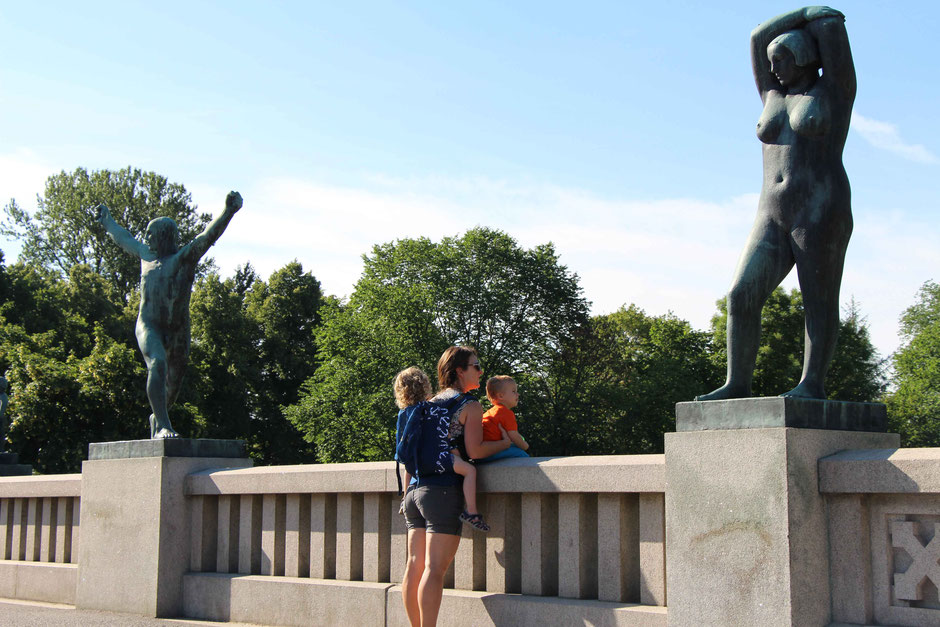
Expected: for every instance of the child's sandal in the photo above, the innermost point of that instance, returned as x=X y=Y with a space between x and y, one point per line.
x=475 y=521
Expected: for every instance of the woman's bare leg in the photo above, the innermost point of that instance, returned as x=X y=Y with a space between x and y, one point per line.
x=440 y=551
x=414 y=569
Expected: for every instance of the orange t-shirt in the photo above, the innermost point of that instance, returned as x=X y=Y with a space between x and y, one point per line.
x=494 y=416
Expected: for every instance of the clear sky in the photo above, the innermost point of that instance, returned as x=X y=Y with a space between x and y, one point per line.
x=622 y=132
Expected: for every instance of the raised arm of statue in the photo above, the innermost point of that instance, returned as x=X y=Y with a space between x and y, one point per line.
x=194 y=251
x=122 y=236
x=835 y=55
x=767 y=31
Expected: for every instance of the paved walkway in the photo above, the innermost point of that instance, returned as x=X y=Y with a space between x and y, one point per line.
x=34 y=614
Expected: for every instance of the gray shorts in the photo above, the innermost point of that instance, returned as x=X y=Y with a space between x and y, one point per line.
x=435 y=508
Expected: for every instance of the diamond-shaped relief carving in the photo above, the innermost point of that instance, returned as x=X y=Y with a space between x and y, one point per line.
x=917 y=560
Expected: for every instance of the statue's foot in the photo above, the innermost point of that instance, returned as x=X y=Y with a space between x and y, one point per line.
x=153 y=428
x=806 y=390
x=164 y=434
x=725 y=392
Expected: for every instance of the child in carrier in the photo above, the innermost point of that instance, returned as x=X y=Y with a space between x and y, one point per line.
x=411 y=387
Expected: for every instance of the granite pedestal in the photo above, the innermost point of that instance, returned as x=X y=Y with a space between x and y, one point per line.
x=136 y=520
x=746 y=531
x=10 y=466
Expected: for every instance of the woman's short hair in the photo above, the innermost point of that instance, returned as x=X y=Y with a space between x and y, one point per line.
x=453 y=358
x=411 y=386
x=800 y=44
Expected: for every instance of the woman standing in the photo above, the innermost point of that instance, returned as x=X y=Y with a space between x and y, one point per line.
x=433 y=506
x=804 y=216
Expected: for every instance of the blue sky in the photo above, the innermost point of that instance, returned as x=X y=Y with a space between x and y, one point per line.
x=623 y=133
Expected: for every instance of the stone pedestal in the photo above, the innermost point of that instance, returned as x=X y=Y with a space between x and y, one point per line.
x=135 y=545
x=746 y=531
x=10 y=466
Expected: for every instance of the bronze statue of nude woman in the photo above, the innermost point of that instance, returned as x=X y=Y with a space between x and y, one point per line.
x=804 y=216
x=167 y=272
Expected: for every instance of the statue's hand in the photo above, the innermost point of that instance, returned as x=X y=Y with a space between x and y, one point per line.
x=102 y=213
x=233 y=201
x=818 y=13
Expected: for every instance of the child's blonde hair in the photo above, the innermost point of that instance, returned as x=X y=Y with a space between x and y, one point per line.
x=495 y=385
x=411 y=386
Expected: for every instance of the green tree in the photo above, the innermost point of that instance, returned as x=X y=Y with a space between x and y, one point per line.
x=415 y=298
x=613 y=389
x=286 y=312
x=914 y=406
x=63 y=232
x=855 y=374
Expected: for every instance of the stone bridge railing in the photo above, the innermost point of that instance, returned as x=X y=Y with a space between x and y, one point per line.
x=585 y=528
x=39 y=534
x=884 y=545
x=766 y=525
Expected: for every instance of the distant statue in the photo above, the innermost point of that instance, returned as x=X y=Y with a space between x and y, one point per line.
x=4 y=401
x=166 y=280
x=804 y=216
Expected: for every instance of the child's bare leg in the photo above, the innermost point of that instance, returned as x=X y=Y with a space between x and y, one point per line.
x=469 y=474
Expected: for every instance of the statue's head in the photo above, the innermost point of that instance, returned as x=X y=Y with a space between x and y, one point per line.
x=161 y=236
x=793 y=56
x=4 y=386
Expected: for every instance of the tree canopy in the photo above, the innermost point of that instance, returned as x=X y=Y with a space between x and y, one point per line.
x=63 y=232
x=914 y=406
x=305 y=377
x=517 y=306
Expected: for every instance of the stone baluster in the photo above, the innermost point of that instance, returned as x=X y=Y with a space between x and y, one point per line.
x=272 y=534
x=323 y=536
x=63 y=530
x=33 y=527
x=203 y=547
x=618 y=548
x=349 y=536
x=249 y=534
x=47 y=535
x=577 y=546
x=6 y=528
x=297 y=536
x=376 y=537
x=226 y=557
x=398 y=544
x=76 y=529
x=503 y=564
x=539 y=544
x=652 y=549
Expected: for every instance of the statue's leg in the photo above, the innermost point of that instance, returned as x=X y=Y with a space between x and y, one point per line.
x=820 y=256
x=155 y=357
x=766 y=260
x=177 y=359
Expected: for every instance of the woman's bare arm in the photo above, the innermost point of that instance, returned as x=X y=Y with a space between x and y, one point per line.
x=473 y=434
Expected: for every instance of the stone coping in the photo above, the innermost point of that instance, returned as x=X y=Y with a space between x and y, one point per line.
x=885 y=471
x=41 y=486
x=169 y=447
x=592 y=473
x=777 y=411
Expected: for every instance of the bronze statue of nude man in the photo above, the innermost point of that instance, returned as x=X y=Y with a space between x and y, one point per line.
x=167 y=272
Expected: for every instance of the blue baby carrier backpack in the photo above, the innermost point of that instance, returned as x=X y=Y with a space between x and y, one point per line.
x=421 y=438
